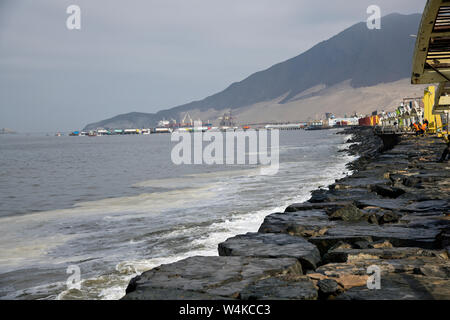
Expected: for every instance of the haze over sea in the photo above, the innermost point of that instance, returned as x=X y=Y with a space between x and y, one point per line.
x=116 y=206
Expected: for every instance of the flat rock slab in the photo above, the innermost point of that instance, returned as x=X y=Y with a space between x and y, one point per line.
x=389 y=204
x=402 y=287
x=405 y=205
x=399 y=235
x=349 y=255
x=430 y=221
x=352 y=182
x=208 y=277
x=349 y=195
x=171 y=294
x=431 y=205
x=272 y=245
x=429 y=266
x=348 y=213
x=307 y=223
x=281 y=288
x=317 y=206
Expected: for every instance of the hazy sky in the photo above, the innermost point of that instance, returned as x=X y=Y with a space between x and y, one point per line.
x=148 y=55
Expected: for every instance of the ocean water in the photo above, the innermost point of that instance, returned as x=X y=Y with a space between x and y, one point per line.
x=117 y=206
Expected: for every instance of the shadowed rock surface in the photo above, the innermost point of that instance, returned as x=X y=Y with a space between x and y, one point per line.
x=281 y=288
x=305 y=224
x=403 y=287
x=350 y=254
x=207 y=277
x=327 y=288
x=270 y=245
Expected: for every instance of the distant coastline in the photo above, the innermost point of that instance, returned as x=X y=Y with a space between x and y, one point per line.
x=7 y=131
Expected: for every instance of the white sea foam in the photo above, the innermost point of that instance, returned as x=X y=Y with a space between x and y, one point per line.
x=219 y=232
x=188 y=192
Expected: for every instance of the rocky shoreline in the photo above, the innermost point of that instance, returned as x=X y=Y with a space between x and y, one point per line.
x=392 y=214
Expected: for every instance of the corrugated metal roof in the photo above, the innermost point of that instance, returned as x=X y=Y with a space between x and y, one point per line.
x=431 y=62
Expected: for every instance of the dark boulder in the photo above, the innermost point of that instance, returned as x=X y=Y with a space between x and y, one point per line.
x=281 y=288
x=208 y=277
x=272 y=245
x=327 y=288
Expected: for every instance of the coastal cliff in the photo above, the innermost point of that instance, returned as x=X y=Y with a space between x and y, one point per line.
x=391 y=214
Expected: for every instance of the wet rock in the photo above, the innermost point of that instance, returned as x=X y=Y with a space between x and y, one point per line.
x=281 y=288
x=398 y=235
x=208 y=277
x=271 y=245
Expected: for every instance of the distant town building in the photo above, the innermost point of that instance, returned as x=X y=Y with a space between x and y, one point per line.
x=226 y=120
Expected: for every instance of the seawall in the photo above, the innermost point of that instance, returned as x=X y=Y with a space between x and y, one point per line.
x=389 y=221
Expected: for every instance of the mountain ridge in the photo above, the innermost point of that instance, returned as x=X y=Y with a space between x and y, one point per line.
x=365 y=57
